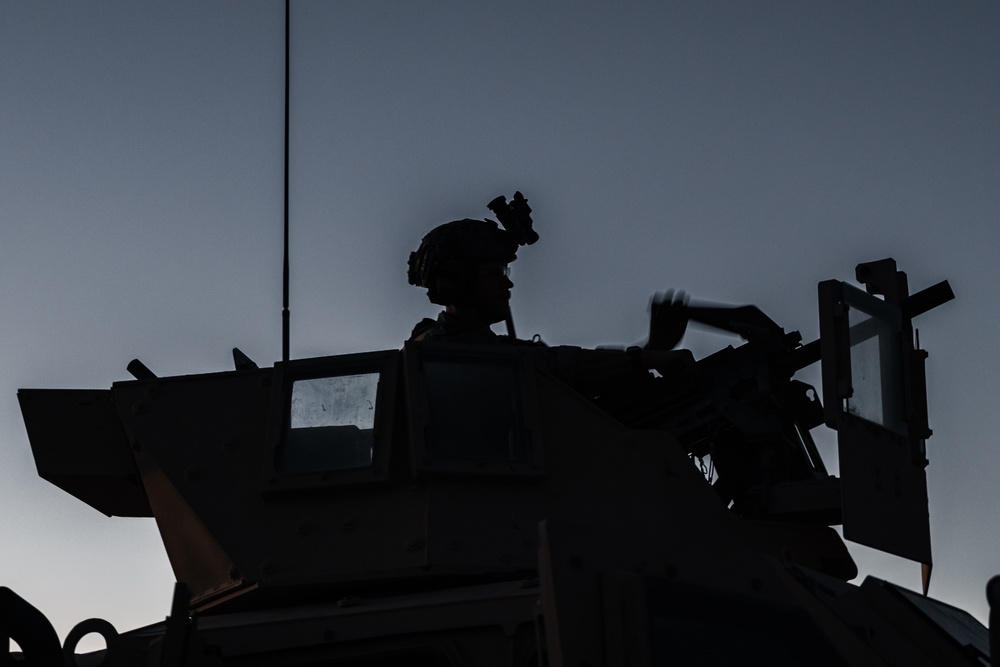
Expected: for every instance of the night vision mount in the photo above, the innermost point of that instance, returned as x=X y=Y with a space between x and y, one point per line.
x=515 y=216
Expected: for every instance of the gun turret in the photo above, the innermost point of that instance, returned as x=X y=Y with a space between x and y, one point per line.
x=751 y=418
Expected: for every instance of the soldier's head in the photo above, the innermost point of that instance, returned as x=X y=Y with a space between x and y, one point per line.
x=463 y=266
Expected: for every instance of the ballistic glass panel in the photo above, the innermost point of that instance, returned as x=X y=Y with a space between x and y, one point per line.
x=876 y=361
x=474 y=410
x=330 y=424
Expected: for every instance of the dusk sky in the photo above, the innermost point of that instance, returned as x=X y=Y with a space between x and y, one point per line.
x=740 y=151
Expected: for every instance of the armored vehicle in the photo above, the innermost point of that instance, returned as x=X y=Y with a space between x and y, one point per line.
x=453 y=505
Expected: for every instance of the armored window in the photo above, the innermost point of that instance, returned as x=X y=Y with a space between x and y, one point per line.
x=330 y=420
x=876 y=366
x=473 y=410
x=331 y=424
x=862 y=359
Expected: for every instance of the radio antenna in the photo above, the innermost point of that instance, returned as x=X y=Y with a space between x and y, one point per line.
x=284 y=284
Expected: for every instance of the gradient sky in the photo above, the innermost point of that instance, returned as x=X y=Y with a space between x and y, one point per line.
x=740 y=151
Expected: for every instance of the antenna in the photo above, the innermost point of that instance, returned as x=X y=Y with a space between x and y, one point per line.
x=284 y=284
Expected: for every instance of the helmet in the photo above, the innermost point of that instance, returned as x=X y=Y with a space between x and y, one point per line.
x=448 y=256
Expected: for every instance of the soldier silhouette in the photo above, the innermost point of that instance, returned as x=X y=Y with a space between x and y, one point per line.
x=464 y=265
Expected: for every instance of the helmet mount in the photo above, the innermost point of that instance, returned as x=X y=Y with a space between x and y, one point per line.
x=449 y=256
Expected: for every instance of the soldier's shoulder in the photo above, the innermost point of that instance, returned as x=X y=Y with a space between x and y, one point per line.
x=424 y=328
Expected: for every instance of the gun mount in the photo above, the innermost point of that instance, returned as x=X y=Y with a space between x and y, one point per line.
x=461 y=505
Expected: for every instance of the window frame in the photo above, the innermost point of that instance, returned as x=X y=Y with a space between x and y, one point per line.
x=837 y=300
x=385 y=363
x=423 y=462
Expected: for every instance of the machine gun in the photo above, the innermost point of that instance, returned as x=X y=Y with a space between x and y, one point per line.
x=747 y=414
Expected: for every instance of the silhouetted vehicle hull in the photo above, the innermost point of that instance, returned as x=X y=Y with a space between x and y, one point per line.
x=465 y=505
